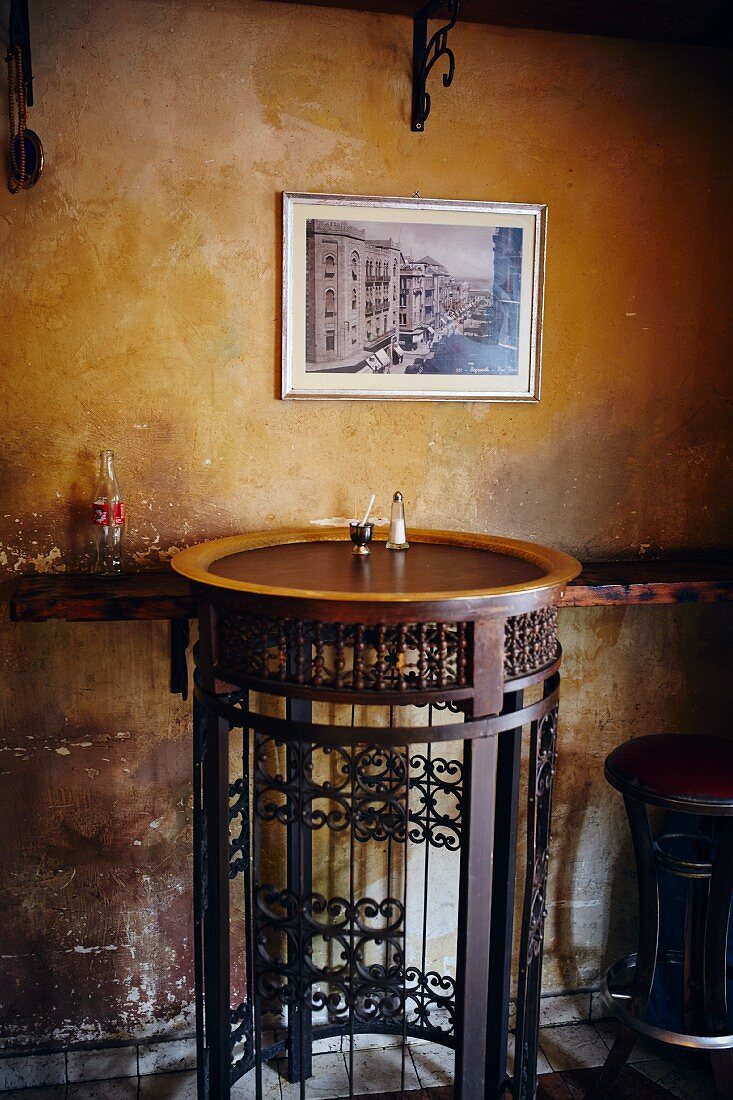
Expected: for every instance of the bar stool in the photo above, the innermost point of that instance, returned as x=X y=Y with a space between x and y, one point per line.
x=692 y=775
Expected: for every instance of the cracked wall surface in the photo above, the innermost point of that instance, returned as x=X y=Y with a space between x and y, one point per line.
x=140 y=310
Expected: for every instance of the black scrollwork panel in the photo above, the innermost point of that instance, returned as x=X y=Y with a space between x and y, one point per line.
x=431 y=1001
x=238 y=826
x=242 y=1035
x=437 y=801
x=331 y=956
x=380 y=777
x=546 y=759
x=327 y=953
x=333 y=787
x=349 y=960
x=367 y=787
x=543 y=755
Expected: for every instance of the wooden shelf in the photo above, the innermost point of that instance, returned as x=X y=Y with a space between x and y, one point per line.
x=83 y=597
x=655 y=582
x=702 y=22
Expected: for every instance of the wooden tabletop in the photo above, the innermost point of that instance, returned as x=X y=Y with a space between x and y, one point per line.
x=333 y=568
x=319 y=565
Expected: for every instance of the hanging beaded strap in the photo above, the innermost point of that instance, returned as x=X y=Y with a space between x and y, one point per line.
x=17 y=177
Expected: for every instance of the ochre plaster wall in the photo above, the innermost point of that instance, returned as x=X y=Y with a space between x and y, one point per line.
x=140 y=311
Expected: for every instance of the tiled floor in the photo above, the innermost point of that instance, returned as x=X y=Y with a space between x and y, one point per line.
x=569 y=1056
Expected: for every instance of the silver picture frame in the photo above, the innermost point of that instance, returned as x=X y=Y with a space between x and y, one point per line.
x=411 y=299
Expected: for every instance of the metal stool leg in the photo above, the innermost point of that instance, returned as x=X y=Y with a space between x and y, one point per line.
x=646 y=960
x=716 y=943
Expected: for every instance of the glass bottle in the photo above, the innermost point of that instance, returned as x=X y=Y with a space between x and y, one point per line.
x=108 y=518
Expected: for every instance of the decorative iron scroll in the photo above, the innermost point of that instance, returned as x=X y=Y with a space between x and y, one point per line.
x=344 y=656
x=439 y=786
x=342 y=936
x=344 y=957
x=242 y=1036
x=543 y=756
x=238 y=816
x=363 y=787
x=361 y=948
x=431 y=1002
x=334 y=786
x=530 y=642
x=546 y=759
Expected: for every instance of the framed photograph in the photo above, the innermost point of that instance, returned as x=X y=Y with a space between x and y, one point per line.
x=416 y=299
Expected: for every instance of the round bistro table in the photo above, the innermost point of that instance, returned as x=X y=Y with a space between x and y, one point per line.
x=363 y=827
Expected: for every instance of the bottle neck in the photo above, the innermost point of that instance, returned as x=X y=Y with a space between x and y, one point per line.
x=107 y=464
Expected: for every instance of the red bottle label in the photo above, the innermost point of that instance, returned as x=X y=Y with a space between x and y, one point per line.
x=100 y=513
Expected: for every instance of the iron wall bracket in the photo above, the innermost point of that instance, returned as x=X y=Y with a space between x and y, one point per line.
x=425 y=54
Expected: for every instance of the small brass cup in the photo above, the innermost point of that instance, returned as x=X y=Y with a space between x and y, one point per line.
x=361 y=536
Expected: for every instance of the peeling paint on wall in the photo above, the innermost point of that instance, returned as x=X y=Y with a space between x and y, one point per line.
x=96 y=905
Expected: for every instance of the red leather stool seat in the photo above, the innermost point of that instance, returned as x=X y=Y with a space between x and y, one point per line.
x=685 y=772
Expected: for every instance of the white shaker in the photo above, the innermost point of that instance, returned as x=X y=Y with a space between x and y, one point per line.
x=397 y=533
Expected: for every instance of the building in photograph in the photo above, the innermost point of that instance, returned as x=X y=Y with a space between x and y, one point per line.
x=429 y=297
x=457 y=297
x=352 y=287
x=437 y=294
x=507 y=286
x=412 y=304
x=436 y=280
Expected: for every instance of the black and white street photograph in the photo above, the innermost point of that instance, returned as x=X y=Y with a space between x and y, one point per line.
x=388 y=305
x=433 y=299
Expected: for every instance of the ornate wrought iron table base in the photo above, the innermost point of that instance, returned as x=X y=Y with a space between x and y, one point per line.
x=428 y=813
x=357 y=797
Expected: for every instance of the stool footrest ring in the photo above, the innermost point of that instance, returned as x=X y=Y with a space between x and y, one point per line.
x=653 y=1031
x=678 y=865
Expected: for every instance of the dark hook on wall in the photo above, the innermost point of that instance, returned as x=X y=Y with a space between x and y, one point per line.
x=19 y=34
x=425 y=54
x=25 y=151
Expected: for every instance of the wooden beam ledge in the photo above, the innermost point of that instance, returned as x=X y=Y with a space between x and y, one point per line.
x=86 y=598
x=704 y=22
x=654 y=582
x=83 y=597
